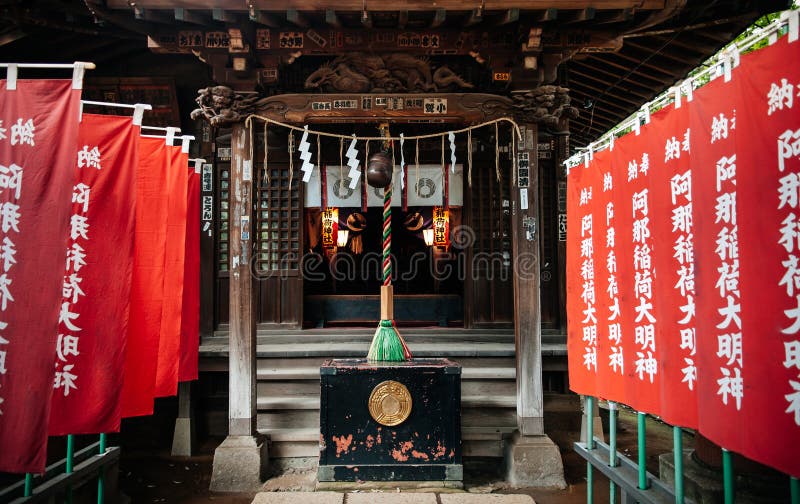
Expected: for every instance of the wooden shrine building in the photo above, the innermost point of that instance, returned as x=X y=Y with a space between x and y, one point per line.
x=282 y=288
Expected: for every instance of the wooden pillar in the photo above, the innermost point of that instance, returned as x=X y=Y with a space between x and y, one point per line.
x=561 y=154
x=527 y=309
x=208 y=232
x=242 y=353
x=240 y=461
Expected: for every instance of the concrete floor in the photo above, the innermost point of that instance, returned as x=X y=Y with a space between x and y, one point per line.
x=149 y=474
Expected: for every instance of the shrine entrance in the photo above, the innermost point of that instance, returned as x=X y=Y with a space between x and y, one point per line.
x=318 y=243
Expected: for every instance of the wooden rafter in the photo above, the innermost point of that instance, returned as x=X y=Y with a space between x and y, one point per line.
x=438 y=18
x=297 y=18
x=332 y=19
x=420 y=5
x=191 y=16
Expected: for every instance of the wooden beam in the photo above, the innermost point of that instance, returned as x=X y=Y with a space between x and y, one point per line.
x=615 y=76
x=475 y=17
x=662 y=53
x=366 y=19
x=620 y=16
x=332 y=19
x=511 y=16
x=599 y=91
x=265 y=18
x=604 y=60
x=223 y=15
x=296 y=18
x=547 y=15
x=421 y=5
x=402 y=19
x=580 y=16
x=190 y=16
x=438 y=18
x=154 y=16
x=592 y=77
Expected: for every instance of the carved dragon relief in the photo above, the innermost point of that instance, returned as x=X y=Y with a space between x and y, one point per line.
x=222 y=106
x=545 y=105
x=389 y=73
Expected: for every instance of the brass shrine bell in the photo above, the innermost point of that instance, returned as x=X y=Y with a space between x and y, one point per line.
x=379 y=169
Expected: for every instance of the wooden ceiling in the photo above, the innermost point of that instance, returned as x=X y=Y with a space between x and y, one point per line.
x=647 y=44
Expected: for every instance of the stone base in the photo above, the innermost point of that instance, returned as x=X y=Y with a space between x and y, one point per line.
x=182 y=439
x=534 y=461
x=240 y=464
x=391 y=486
x=703 y=484
x=597 y=427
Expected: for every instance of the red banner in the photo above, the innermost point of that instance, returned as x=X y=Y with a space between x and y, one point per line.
x=90 y=348
x=190 y=317
x=673 y=241
x=147 y=284
x=717 y=237
x=170 y=334
x=582 y=295
x=38 y=133
x=712 y=341
x=767 y=175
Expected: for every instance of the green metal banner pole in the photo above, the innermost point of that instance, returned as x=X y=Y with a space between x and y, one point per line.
x=28 y=484
x=101 y=478
x=727 y=476
x=589 y=446
x=640 y=417
x=612 y=452
x=70 y=462
x=677 y=448
x=794 y=485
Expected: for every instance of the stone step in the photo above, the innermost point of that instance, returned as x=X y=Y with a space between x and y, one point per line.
x=304 y=388
x=366 y=334
x=312 y=434
x=359 y=349
x=486 y=419
x=469 y=448
x=494 y=368
x=218 y=348
x=311 y=402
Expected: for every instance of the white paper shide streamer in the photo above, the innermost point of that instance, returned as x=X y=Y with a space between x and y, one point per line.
x=402 y=164
x=305 y=155
x=452 y=137
x=352 y=162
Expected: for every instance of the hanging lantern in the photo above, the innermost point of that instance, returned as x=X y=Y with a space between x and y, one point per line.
x=379 y=169
x=341 y=239
x=330 y=228
x=427 y=234
x=441 y=227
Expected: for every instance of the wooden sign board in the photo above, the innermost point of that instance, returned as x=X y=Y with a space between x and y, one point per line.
x=340 y=108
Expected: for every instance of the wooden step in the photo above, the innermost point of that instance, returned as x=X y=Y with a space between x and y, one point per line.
x=483 y=419
x=469 y=448
x=303 y=388
x=497 y=368
x=306 y=402
x=312 y=434
x=218 y=348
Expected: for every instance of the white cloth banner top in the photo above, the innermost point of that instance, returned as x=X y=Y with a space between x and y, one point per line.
x=427 y=189
x=426 y=192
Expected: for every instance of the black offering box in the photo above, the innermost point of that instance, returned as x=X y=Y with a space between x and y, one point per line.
x=390 y=421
